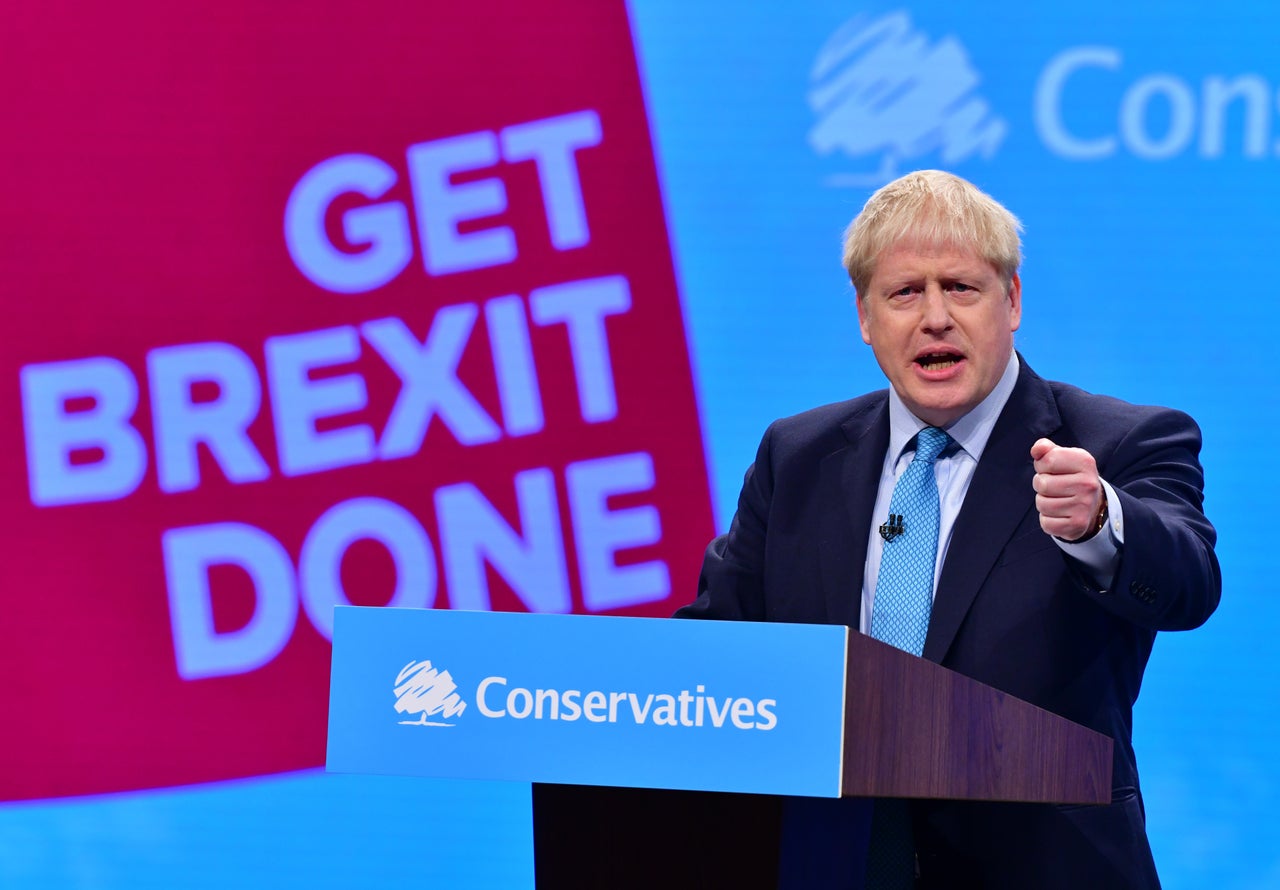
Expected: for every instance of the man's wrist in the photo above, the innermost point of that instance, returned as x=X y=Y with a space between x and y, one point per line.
x=1099 y=523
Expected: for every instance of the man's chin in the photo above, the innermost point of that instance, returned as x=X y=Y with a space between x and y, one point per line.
x=937 y=411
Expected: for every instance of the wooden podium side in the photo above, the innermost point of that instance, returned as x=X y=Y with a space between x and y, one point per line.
x=916 y=729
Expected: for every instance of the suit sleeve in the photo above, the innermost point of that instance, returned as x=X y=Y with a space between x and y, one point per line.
x=731 y=584
x=1168 y=577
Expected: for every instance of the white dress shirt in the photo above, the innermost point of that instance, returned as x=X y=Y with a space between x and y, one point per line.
x=1100 y=555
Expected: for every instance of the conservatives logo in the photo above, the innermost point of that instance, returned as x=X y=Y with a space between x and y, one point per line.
x=886 y=95
x=684 y=708
x=588 y=700
x=423 y=690
x=881 y=89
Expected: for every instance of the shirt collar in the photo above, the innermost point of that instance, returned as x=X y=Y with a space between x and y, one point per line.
x=970 y=432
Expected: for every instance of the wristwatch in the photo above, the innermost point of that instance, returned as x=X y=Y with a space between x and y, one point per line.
x=1099 y=521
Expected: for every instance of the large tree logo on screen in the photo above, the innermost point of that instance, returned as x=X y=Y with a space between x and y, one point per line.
x=428 y=692
x=883 y=92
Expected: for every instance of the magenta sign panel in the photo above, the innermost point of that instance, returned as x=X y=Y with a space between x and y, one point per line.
x=310 y=306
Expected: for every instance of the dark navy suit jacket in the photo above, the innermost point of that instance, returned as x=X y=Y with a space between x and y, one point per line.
x=1010 y=610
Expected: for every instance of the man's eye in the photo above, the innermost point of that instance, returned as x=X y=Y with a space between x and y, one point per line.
x=961 y=287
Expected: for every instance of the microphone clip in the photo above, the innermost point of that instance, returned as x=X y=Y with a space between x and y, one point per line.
x=893 y=527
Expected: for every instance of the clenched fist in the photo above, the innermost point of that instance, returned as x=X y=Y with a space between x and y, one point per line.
x=1069 y=493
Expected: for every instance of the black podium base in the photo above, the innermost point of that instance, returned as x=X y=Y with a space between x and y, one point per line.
x=590 y=838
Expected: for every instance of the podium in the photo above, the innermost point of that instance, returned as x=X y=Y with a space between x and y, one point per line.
x=664 y=751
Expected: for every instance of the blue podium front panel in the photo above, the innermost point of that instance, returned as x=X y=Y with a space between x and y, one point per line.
x=590 y=700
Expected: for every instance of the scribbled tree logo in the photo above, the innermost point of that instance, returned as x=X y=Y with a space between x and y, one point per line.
x=427 y=692
x=880 y=87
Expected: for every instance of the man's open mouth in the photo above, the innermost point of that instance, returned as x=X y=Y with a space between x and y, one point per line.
x=937 y=361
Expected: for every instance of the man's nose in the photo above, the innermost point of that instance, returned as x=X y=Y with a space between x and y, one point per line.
x=935 y=312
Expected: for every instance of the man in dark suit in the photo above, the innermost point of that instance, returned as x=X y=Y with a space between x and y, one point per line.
x=1071 y=527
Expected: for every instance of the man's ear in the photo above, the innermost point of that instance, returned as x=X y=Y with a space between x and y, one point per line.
x=860 y=300
x=1015 y=302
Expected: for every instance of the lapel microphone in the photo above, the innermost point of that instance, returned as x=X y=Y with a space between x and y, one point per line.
x=893 y=527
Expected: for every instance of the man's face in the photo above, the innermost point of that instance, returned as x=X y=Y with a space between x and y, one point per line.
x=941 y=326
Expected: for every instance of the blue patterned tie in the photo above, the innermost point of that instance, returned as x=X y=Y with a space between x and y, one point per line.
x=900 y=617
x=904 y=588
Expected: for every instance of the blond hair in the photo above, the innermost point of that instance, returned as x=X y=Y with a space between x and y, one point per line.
x=931 y=208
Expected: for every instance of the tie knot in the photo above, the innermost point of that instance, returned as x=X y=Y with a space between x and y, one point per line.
x=929 y=444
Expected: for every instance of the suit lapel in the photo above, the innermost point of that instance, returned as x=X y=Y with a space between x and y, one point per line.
x=999 y=497
x=851 y=476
